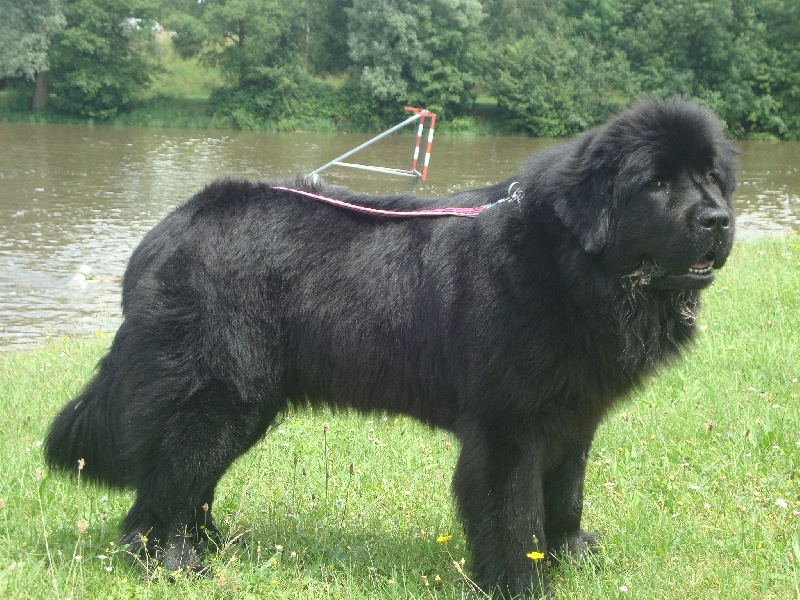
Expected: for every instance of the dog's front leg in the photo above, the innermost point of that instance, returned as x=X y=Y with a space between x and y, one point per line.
x=498 y=488
x=563 y=500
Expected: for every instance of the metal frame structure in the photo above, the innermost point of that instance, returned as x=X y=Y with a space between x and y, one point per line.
x=420 y=114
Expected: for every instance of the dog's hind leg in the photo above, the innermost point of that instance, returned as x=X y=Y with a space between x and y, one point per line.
x=196 y=444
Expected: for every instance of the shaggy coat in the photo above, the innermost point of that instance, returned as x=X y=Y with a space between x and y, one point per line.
x=517 y=330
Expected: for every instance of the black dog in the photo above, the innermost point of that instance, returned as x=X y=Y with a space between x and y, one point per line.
x=516 y=330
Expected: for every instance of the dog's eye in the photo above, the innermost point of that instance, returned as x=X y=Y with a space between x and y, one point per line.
x=712 y=178
x=657 y=183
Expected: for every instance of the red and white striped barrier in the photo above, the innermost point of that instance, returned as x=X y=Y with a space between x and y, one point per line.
x=420 y=114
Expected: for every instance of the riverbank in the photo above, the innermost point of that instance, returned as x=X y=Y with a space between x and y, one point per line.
x=692 y=482
x=181 y=96
x=196 y=112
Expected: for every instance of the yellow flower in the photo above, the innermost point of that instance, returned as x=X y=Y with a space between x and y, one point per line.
x=535 y=556
x=443 y=539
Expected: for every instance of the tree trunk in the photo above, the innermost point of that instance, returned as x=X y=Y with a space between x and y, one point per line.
x=240 y=43
x=42 y=91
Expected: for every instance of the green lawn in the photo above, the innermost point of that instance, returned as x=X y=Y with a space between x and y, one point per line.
x=694 y=482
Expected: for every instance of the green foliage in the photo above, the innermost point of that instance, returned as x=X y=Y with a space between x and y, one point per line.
x=554 y=68
x=190 y=34
x=250 y=37
x=26 y=28
x=707 y=50
x=101 y=62
x=550 y=85
x=424 y=53
x=777 y=81
x=279 y=97
x=325 y=48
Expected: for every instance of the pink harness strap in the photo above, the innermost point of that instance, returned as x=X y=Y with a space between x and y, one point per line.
x=456 y=211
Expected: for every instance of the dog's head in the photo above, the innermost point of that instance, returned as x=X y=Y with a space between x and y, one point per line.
x=651 y=191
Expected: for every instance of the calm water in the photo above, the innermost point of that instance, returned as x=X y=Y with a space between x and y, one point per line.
x=75 y=195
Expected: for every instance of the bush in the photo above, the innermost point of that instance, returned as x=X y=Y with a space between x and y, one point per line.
x=287 y=98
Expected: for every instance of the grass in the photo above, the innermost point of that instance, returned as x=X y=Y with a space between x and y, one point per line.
x=693 y=482
x=182 y=77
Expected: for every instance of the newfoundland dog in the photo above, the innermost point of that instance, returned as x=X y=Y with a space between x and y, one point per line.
x=514 y=316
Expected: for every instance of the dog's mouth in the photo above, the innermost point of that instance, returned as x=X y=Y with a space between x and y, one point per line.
x=702 y=268
x=697 y=276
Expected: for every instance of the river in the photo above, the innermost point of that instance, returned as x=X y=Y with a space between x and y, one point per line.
x=73 y=195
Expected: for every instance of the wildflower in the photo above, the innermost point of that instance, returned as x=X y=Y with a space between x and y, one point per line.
x=535 y=556
x=339 y=503
x=623 y=589
x=81 y=464
x=443 y=539
x=781 y=503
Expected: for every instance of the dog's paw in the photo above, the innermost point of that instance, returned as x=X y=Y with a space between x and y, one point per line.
x=577 y=546
x=181 y=554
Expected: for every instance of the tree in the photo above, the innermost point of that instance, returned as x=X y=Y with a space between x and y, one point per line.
x=249 y=36
x=706 y=49
x=777 y=81
x=26 y=30
x=100 y=62
x=326 y=39
x=190 y=35
x=551 y=84
x=425 y=52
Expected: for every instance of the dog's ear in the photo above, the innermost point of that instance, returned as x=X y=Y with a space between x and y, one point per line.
x=584 y=206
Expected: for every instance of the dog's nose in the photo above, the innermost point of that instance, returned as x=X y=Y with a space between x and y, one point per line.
x=714 y=219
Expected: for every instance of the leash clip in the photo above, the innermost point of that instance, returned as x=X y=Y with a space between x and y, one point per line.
x=515 y=193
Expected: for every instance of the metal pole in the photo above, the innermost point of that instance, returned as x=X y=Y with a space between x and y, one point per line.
x=387 y=170
x=368 y=143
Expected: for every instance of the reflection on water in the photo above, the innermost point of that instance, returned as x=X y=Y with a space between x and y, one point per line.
x=72 y=195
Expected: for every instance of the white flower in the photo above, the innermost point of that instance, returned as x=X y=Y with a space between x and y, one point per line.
x=781 y=503
x=623 y=589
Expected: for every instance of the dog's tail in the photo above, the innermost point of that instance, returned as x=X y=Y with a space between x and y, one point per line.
x=84 y=435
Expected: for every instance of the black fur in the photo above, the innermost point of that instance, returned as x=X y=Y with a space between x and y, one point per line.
x=516 y=330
